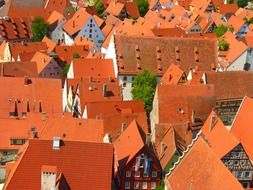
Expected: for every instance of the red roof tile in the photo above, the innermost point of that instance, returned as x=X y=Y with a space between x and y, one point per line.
x=216 y=134
x=203 y=162
x=75 y=160
x=96 y=68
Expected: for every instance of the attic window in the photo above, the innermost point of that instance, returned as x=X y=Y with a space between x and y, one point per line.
x=181 y=110
x=137 y=48
x=177 y=49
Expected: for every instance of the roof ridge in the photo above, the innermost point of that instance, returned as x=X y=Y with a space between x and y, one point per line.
x=184 y=153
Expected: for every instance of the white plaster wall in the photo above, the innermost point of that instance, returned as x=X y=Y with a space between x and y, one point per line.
x=111 y=54
x=70 y=74
x=238 y=64
x=64 y=95
x=126 y=91
x=58 y=33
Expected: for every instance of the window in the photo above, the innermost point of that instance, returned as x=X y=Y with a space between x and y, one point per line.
x=154 y=173
x=145 y=174
x=133 y=78
x=153 y=185
x=124 y=78
x=137 y=174
x=128 y=173
x=239 y=174
x=136 y=185
x=247 y=174
x=90 y=36
x=127 y=185
x=246 y=185
x=144 y=185
x=90 y=30
x=124 y=84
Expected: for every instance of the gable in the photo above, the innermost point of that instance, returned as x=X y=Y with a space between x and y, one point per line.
x=237 y=159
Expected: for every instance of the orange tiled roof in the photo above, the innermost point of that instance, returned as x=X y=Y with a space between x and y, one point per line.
x=50 y=44
x=203 y=163
x=42 y=60
x=75 y=160
x=96 y=68
x=115 y=8
x=242 y=125
x=216 y=134
x=180 y=101
x=65 y=53
x=15 y=29
x=30 y=47
x=78 y=20
x=173 y=75
x=18 y=69
x=129 y=143
x=135 y=53
x=222 y=82
x=30 y=95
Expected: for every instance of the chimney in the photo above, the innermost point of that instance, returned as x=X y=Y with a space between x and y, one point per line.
x=148 y=139
x=43 y=116
x=90 y=79
x=107 y=138
x=48 y=177
x=56 y=143
x=104 y=90
x=26 y=80
x=123 y=127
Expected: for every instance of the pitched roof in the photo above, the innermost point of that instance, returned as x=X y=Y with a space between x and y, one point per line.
x=50 y=44
x=129 y=143
x=180 y=101
x=30 y=95
x=223 y=80
x=55 y=17
x=216 y=134
x=78 y=20
x=15 y=29
x=74 y=129
x=80 y=170
x=18 y=69
x=42 y=60
x=65 y=53
x=242 y=125
x=157 y=53
x=30 y=47
x=96 y=68
x=173 y=75
x=115 y=8
x=203 y=162
x=92 y=91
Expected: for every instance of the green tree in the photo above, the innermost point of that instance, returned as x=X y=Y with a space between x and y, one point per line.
x=143 y=6
x=76 y=55
x=223 y=44
x=65 y=70
x=243 y=3
x=144 y=86
x=220 y=30
x=40 y=29
x=99 y=7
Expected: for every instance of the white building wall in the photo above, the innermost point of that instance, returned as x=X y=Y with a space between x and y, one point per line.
x=238 y=64
x=67 y=39
x=125 y=81
x=111 y=54
x=64 y=95
x=249 y=58
x=70 y=74
x=57 y=34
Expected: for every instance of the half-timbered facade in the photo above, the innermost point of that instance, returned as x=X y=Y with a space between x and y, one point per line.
x=238 y=162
